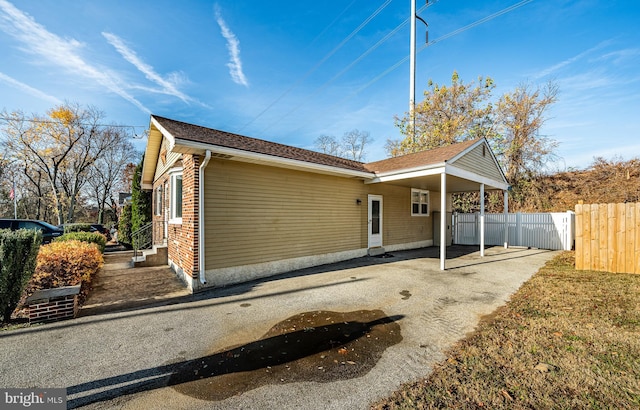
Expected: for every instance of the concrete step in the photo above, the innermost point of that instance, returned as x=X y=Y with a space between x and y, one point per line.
x=377 y=251
x=156 y=256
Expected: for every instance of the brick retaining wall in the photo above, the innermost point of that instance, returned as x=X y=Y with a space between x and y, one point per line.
x=52 y=305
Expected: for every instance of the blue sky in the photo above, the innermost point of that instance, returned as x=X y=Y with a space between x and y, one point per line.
x=290 y=71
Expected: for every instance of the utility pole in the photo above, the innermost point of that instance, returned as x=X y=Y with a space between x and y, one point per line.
x=412 y=68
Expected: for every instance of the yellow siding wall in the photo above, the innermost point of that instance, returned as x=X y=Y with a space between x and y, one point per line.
x=475 y=162
x=256 y=214
x=398 y=226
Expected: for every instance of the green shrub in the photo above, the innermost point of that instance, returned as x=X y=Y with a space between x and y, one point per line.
x=124 y=227
x=77 y=227
x=89 y=237
x=140 y=200
x=18 y=252
x=66 y=263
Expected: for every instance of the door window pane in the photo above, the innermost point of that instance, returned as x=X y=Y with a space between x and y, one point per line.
x=375 y=217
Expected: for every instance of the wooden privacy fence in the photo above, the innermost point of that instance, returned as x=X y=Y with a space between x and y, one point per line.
x=608 y=237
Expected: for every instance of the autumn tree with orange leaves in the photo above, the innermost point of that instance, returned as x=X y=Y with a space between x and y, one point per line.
x=60 y=150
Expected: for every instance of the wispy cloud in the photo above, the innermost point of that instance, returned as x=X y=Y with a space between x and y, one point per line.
x=65 y=53
x=233 y=45
x=168 y=86
x=622 y=56
x=557 y=67
x=28 y=89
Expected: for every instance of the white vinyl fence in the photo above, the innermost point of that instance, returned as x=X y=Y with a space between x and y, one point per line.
x=555 y=231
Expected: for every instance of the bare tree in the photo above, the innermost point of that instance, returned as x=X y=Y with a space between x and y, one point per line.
x=354 y=143
x=105 y=177
x=328 y=144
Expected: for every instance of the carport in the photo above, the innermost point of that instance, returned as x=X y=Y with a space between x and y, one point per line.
x=466 y=167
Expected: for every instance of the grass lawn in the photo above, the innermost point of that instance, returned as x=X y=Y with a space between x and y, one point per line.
x=566 y=340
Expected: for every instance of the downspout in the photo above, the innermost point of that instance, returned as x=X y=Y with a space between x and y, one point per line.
x=201 y=267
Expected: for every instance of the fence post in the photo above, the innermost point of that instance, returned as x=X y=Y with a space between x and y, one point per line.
x=570 y=230
x=506 y=218
x=482 y=224
x=518 y=229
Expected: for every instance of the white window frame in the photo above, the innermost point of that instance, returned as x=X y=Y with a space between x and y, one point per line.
x=158 y=203
x=174 y=175
x=421 y=201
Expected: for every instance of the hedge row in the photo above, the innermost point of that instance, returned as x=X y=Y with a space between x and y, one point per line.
x=89 y=237
x=77 y=227
x=18 y=252
x=66 y=263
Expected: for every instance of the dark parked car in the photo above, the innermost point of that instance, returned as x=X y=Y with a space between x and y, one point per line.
x=48 y=231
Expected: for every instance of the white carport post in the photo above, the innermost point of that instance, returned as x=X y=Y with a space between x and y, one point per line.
x=506 y=218
x=443 y=219
x=481 y=220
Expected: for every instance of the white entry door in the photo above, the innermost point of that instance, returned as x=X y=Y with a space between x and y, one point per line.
x=375 y=221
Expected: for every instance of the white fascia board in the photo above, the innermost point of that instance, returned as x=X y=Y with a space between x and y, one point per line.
x=170 y=139
x=408 y=173
x=471 y=176
x=276 y=161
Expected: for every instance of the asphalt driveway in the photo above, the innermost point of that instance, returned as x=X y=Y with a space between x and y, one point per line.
x=129 y=359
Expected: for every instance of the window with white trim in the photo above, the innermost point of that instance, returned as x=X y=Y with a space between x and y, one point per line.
x=158 y=201
x=176 y=198
x=419 y=202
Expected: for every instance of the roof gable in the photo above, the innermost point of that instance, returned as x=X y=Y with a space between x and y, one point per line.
x=420 y=159
x=182 y=131
x=472 y=160
x=479 y=159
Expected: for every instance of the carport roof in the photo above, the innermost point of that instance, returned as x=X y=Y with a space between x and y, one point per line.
x=420 y=159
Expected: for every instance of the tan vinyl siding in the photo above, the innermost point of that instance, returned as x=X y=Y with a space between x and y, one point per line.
x=398 y=225
x=256 y=214
x=171 y=159
x=475 y=162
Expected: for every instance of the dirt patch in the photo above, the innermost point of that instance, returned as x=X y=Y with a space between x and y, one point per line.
x=319 y=346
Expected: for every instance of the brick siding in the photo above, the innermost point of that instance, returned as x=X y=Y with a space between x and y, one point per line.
x=182 y=241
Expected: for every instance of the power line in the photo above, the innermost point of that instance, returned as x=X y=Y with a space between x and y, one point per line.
x=439 y=39
x=331 y=24
x=9 y=119
x=315 y=67
x=347 y=68
x=477 y=23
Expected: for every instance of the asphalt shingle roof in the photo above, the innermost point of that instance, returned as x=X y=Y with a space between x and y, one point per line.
x=189 y=132
x=420 y=159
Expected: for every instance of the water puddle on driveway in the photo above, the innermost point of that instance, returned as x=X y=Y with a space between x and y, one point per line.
x=319 y=346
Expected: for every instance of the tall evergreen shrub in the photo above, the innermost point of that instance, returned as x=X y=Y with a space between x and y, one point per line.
x=140 y=200
x=18 y=252
x=124 y=226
